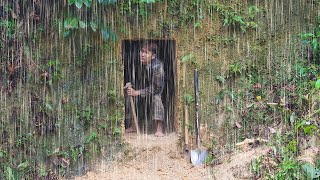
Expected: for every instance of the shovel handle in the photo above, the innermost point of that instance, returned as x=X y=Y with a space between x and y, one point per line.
x=133 y=111
x=186 y=124
x=132 y=108
x=196 y=90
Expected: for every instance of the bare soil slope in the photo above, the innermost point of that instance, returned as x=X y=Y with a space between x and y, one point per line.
x=152 y=157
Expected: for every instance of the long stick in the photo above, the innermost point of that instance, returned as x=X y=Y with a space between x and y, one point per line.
x=196 y=88
x=186 y=124
x=133 y=111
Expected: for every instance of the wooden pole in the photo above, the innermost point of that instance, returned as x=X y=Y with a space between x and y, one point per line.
x=133 y=109
x=186 y=124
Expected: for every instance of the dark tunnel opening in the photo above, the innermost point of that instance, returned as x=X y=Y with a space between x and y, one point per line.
x=134 y=72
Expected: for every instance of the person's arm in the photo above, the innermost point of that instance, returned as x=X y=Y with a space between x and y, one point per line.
x=157 y=82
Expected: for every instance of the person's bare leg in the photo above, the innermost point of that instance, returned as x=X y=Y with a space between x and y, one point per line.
x=159 y=130
x=132 y=128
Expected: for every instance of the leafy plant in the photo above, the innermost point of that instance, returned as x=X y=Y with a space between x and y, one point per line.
x=86 y=116
x=189 y=58
x=232 y=16
x=54 y=71
x=209 y=159
x=93 y=143
x=311 y=39
x=91 y=138
x=10 y=174
x=220 y=79
x=23 y=139
x=306 y=126
x=235 y=68
x=80 y=3
x=255 y=166
x=189 y=99
x=107 y=34
x=310 y=171
x=106 y=2
x=116 y=132
x=9 y=27
x=25 y=167
x=71 y=23
x=219 y=96
x=74 y=22
x=288 y=169
x=75 y=152
x=317 y=84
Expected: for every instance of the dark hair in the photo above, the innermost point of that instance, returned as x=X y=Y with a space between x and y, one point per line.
x=151 y=46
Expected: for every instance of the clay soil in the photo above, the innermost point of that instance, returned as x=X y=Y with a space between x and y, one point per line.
x=150 y=157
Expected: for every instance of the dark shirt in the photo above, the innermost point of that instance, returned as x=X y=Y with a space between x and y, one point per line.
x=156 y=78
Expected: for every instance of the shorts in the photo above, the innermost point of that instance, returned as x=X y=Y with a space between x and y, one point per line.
x=157 y=108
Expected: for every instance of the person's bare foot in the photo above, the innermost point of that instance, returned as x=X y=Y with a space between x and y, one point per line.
x=130 y=130
x=159 y=134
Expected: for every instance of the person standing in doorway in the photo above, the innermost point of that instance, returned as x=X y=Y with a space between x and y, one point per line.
x=155 y=77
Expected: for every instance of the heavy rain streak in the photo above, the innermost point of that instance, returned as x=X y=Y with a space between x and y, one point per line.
x=159 y=89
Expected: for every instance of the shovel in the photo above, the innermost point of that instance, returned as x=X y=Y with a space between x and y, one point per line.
x=198 y=156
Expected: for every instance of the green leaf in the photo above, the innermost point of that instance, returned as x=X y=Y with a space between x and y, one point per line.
x=318 y=33
x=293 y=146
x=49 y=107
x=93 y=26
x=67 y=23
x=79 y=3
x=308 y=130
x=9 y=173
x=71 y=2
x=293 y=118
x=2 y=154
x=71 y=23
x=87 y=3
x=113 y=37
x=105 y=34
x=307 y=35
x=315 y=43
x=74 y=23
x=299 y=125
x=116 y=131
x=82 y=24
x=252 y=24
x=23 y=166
x=106 y=2
x=189 y=99
x=92 y=137
x=253 y=10
x=198 y=24
x=187 y=57
x=311 y=171
x=221 y=78
x=237 y=18
x=66 y=33
x=317 y=85
x=226 y=22
x=303 y=71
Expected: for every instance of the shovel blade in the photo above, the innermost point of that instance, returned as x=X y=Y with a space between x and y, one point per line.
x=198 y=157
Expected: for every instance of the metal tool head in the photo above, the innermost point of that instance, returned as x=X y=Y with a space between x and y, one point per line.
x=198 y=156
